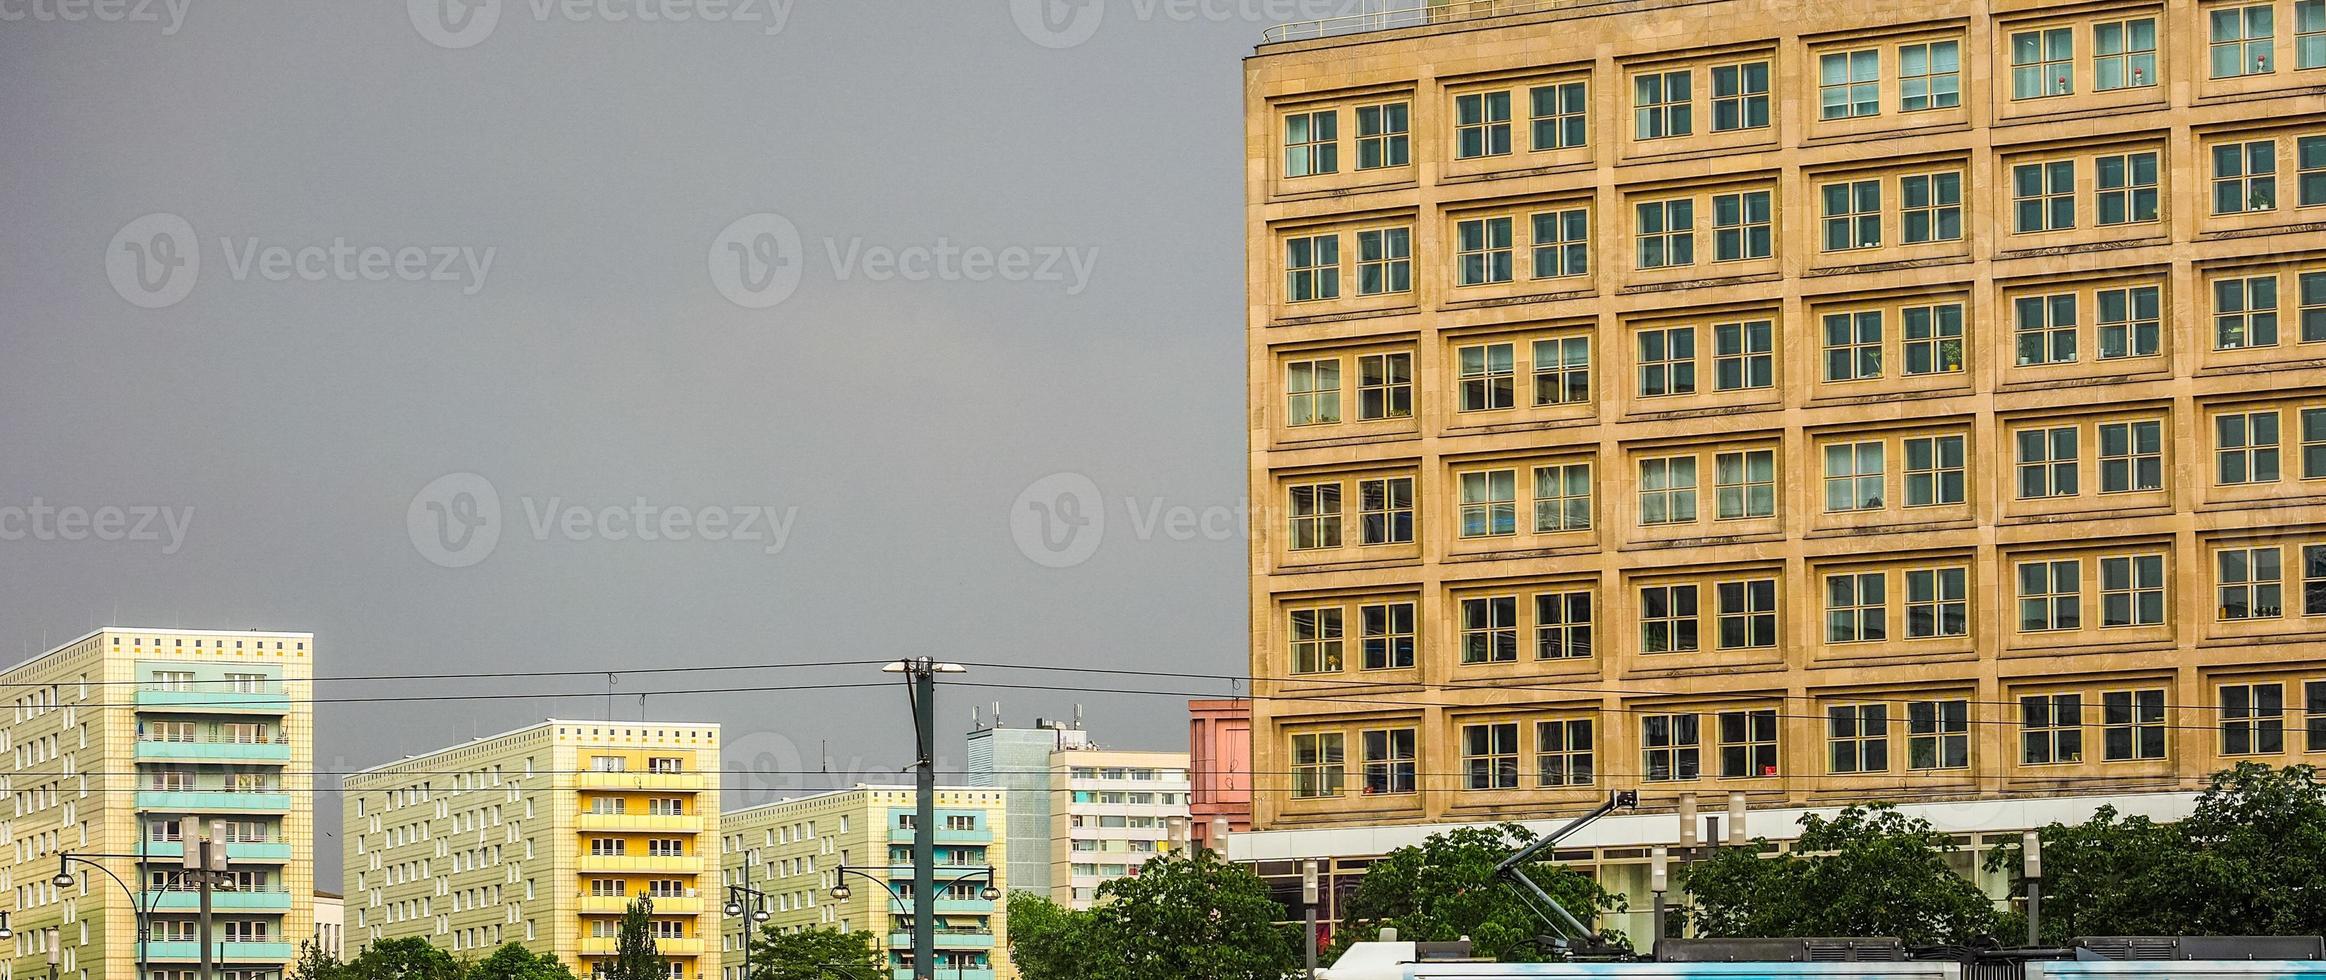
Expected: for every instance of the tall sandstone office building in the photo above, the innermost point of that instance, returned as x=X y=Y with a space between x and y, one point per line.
x=1823 y=401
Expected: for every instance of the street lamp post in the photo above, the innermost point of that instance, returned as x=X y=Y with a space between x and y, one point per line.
x=921 y=687
x=2031 y=851
x=758 y=916
x=991 y=893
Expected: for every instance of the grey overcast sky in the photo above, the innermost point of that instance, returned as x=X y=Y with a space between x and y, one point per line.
x=878 y=268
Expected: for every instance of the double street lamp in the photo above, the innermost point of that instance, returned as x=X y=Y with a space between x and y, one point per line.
x=759 y=916
x=923 y=966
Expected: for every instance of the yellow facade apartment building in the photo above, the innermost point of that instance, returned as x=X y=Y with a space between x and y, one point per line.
x=1825 y=402
x=542 y=835
x=796 y=852
x=124 y=742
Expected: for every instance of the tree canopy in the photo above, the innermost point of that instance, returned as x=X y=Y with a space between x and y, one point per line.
x=1445 y=889
x=814 y=954
x=1868 y=871
x=636 y=957
x=1193 y=917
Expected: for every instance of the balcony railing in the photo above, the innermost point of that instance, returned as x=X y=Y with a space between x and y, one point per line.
x=278 y=750
x=693 y=863
x=625 y=779
x=236 y=850
x=641 y=821
x=266 y=698
x=605 y=945
x=187 y=900
x=229 y=952
x=688 y=904
x=1423 y=15
x=207 y=800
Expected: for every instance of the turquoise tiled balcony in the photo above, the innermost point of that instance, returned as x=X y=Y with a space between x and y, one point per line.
x=900 y=973
x=229 y=952
x=235 y=850
x=900 y=836
x=156 y=751
x=222 y=901
x=199 y=801
x=268 y=699
x=947 y=939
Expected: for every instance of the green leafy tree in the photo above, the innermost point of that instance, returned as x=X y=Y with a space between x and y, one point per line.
x=2251 y=860
x=513 y=961
x=316 y=963
x=816 y=954
x=406 y=958
x=1445 y=889
x=1868 y=871
x=1191 y=917
x=636 y=957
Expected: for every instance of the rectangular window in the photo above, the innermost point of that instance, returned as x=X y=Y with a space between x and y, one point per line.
x=2124 y=54
x=1489 y=503
x=2042 y=62
x=1316 y=640
x=2314 y=698
x=1934 y=471
x=1937 y=603
x=2253 y=719
x=1741 y=226
x=2245 y=176
x=1852 y=215
x=2249 y=583
x=1668 y=490
x=2051 y=595
x=2048 y=462
x=1853 y=346
x=1562 y=243
x=2309 y=34
x=2132 y=590
x=1740 y=96
x=1853 y=476
x=1661 y=105
x=1748 y=744
x=1671 y=747
x=1667 y=361
x=2311 y=294
x=1384 y=386
x=1931 y=207
x=1385 y=510
x=2245 y=312
x=2051 y=729
x=2132 y=725
x=2314 y=443
x=1743 y=355
x=1490 y=630
x=1668 y=619
x=1930 y=76
x=1563 y=753
x=2131 y=456
x=1666 y=233
x=1319 y=765
x=1490 y=756
x=1489 y=376
x=1309 y=143
x=1562 y=498
x=1933 y=342
x=1938 y=735
x=1562 y=625
x=1857 y=738
x=2245 y=448
x=1748 y=614
x=2240 y=39
x=1384 y=261
x=1484 y=251
x=1562 y=369
x=1386 y=635
x=1849 y=84
x=2043 y=196
x=1560 y=112
x=1312 y=392
x=1857 y=608
x=2127 y=191
x=1481 y=125
x=1744 y=484
x=1383 y=137
x=2045 y=327
x=1316 y=515
x=1312 y=268
x=2130 y=321
x=1390 y=761
x=2310 y=165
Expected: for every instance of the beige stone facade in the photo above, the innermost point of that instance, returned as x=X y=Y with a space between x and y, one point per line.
x=1823 y=401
